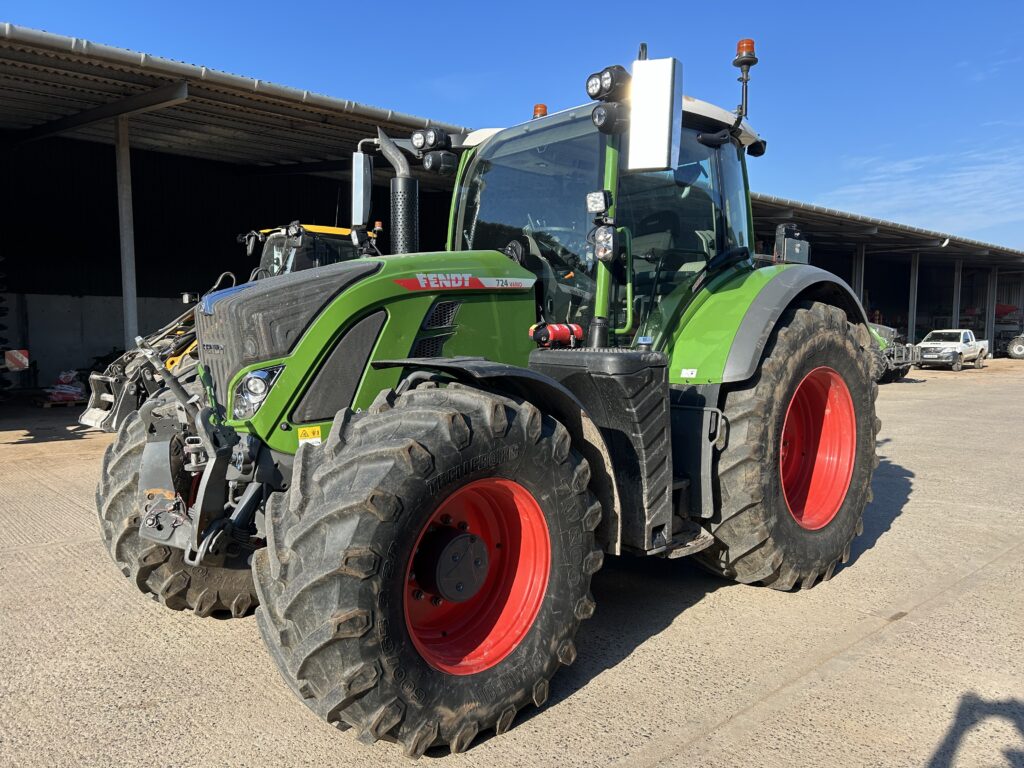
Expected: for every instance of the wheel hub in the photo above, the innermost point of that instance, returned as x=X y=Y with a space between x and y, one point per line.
x=477 y=576
x=818 y=448
x=451 y=564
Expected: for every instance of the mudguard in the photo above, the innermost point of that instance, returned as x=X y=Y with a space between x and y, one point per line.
x=799 y=282
x=557 y=400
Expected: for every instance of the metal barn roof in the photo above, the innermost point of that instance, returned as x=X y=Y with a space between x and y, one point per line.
x=52 y=84
x=829 y=229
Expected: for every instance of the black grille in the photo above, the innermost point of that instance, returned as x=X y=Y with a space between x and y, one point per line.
x=430 y=347
x=264 y=320
x=442 y=315
x=338 y=378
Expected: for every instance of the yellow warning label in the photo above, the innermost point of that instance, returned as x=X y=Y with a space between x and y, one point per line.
x=309 y=435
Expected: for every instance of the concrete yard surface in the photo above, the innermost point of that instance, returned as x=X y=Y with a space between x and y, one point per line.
x=912 y=655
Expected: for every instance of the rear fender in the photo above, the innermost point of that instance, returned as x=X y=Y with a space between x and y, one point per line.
x=556 y=400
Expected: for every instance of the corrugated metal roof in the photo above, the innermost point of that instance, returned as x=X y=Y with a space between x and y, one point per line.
x=829 y=229
x=235 y=119
x=227 y=117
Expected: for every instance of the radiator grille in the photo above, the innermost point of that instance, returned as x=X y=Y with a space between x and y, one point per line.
x=442 y=315
x=430 y=347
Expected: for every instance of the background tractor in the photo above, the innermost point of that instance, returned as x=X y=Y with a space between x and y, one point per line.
x=892 y=357
x=127 y=381
x=425 y=457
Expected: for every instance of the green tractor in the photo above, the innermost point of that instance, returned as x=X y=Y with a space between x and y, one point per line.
x=892 y=357
x=415 y=463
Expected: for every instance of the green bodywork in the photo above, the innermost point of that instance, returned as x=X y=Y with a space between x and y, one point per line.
x=880 y=340
x=491 y=322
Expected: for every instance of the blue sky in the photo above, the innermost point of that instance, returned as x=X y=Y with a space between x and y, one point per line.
x=906 y=111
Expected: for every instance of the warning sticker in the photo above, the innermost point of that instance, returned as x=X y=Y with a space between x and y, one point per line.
x=309 y=435
x=689 y=373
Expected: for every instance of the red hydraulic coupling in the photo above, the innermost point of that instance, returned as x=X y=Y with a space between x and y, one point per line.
x=556 y=334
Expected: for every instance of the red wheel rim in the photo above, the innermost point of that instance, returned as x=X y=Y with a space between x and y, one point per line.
x=462 y=638
x=819 y=446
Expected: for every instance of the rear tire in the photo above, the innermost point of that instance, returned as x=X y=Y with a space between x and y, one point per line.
x=1015 y=348
x=156 y=569
x=339 y=608
x=758 y=538
x=979 y=362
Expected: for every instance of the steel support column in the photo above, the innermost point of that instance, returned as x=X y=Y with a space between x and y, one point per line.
x=990 y=309
x=915 y=267
x=858 y=271
x=958 y=268
x=127 y=232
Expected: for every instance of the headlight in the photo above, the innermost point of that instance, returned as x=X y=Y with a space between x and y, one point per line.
x=418 y=140
x=594 y=86
x=605 y=244
x=252 y=390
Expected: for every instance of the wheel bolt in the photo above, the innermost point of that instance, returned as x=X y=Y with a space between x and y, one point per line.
x=472 y=539
x=458 y=587
x=417 y=594
x=478 y=562
x=463 y=526
x=455 y=557
x=412 y=577
x=435 y=601
x=446 y=519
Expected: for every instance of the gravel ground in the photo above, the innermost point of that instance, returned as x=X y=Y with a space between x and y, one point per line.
x=912 y=655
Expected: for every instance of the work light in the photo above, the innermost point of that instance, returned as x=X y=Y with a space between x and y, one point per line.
x=441 y=162
x=605 y=243
x=609 y=84
x=419 y=140
x=599 y=202
x=612 y=117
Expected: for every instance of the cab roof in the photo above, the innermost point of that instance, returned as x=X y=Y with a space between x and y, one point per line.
x=691 y=106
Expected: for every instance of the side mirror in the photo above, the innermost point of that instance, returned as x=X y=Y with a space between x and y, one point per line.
x=656 y=115
x=362 y=187
x=790 y=245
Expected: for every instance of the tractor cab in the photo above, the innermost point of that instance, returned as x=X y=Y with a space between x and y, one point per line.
x=525 y=192
x=297 y=247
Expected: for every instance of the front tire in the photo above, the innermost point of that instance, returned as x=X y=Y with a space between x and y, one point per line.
x=157 y=569
x=958 y=364
x=360 y=597
x=794 y=476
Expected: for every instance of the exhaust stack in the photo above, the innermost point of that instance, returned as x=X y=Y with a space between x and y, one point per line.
x=405 y=203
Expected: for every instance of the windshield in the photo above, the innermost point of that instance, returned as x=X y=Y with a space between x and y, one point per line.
x=525 y=190
x=525 y=194
x=282 y=254
x=943 y=336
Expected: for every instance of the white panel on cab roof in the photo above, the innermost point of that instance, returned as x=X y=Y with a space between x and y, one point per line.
x=656 y=113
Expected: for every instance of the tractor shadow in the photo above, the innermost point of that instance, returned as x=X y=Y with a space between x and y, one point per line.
x=971 y=712
x=891 y=487
x=620 y=625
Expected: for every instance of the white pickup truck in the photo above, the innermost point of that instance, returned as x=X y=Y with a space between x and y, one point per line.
x=951 y=348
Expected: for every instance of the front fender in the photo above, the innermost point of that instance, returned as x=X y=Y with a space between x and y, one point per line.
x=554 y=398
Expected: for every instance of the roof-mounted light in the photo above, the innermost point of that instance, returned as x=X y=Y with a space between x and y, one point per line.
x=610 y=84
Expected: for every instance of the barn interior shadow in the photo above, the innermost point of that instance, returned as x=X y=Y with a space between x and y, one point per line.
x=40 y=425
x=971 y=712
